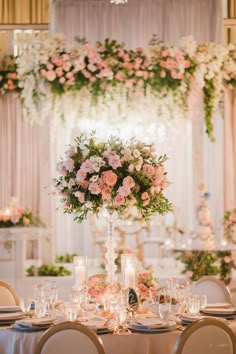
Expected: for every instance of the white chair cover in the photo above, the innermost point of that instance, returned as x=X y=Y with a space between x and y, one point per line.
x=215 y=290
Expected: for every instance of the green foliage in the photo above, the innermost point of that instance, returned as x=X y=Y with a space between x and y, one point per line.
x=65 y=258
x=201 y=263
x=48 y=270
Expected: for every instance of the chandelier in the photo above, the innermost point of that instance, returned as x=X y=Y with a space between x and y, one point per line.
x=118 y=1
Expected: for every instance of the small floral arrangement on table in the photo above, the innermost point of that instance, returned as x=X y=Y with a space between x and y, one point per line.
x=14 y=216
x=229 y=223
x=146 y=282
x=98 y=287
x=114 y=174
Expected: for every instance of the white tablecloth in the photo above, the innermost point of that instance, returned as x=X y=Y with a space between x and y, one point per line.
x=13 y=342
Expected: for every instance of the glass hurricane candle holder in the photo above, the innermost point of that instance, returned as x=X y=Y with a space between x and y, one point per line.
x=80 y=271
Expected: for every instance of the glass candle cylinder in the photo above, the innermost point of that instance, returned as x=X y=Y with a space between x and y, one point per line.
x=80 y=270
x=128 y=270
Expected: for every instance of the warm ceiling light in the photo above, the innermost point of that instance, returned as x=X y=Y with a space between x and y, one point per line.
x=118 y=1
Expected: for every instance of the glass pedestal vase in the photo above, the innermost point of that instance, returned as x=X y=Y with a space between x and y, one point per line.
x=110 y=244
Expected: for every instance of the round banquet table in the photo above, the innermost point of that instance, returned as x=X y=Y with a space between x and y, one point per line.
x=15 y=342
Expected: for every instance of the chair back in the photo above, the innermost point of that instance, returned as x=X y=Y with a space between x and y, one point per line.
x=8 y=296
x=206 y=336
x=215 y=290
x=71 y=338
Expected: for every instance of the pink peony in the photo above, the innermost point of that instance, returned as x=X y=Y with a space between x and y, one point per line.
x=95 y=188
x=114 y=161
x=109 y=178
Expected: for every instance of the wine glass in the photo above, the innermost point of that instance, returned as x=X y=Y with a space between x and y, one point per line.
x=165 y=311
x=25 y=305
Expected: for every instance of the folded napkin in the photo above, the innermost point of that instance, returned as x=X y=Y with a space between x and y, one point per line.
x=151 y=323
x=96 y=322
x=4 y=309
x=35 y=322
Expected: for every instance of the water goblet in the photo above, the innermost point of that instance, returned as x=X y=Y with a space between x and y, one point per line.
x=194 y=306
x=165 y=311
x=40 y=308
x=25 y=305
x=72 y=309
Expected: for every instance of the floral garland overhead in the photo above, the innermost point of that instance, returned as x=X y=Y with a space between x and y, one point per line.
x=108 y=81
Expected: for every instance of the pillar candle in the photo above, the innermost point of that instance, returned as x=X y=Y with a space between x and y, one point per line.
x=130 y=277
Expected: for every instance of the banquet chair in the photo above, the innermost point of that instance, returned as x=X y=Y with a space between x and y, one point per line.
x=8 y=296
x=206 y=336
x=215 y=289
x=71 y=338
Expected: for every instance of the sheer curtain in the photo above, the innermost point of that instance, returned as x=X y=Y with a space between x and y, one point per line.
x=24 y=160
x=192 y=158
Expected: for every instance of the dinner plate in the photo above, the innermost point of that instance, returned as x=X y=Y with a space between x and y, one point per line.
x=145 y=329
x=219 y=311
x=35 y=322
x=223 y=305
x=8 y=309
x=29 y=329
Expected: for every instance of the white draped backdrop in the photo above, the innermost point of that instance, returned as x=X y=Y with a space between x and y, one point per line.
x=29 y=154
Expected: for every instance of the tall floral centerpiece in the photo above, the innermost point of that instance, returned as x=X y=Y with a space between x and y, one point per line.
x=112 y=176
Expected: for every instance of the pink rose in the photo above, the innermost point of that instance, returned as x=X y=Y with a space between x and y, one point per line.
x=227 y=259
x=86 y=74
x=114 y=161
x=144 y=196
x=119 y=199
x=128 y=182
x=49 y=66
x=148 y=170
x=164 y=53
x=43 y=72
x=59 y=72
x=106 y=193
x=109 y=178
x=143 y=291
x=162 y=74
x=69 y=75
x=124 y=191
x=62 y=80
x=26 y=221
x=92 y=79
x=51 y=75
x=95 y=188
x=87 y=166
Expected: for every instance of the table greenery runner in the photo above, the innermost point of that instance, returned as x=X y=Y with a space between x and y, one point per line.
x=113 y=175
x=108 y=80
